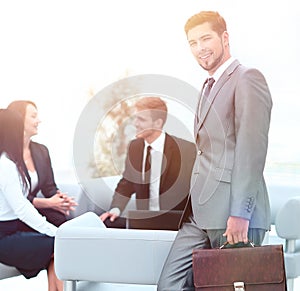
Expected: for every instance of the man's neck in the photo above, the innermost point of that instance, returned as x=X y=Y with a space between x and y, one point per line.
x=150 y=139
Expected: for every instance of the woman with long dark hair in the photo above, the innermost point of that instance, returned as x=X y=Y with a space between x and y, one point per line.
x=26 y=238
x=54 y=205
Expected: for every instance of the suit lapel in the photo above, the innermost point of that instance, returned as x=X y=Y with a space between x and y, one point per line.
x=139 y=159
x=37 y=161
x=217 y=87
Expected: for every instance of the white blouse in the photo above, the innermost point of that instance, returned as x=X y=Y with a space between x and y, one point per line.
x=34 y=179
x=13 y=202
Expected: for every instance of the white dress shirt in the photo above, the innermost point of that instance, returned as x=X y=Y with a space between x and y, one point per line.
x=221 y=70
x=157 y=153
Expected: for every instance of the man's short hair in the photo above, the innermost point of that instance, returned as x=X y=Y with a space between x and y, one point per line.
x=156 y=105
x=216 y=21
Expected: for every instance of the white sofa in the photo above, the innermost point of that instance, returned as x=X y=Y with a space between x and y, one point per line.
x=79 y=246
x=73 y=189
x=92 y=195
x=8 y=272
x=87 y=253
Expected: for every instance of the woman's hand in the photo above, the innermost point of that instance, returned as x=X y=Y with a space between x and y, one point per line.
x=62 y=202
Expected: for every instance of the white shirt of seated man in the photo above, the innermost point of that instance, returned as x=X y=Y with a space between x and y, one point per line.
x=157 y=153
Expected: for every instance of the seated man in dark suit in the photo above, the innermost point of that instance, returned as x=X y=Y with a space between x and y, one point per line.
x=165 y=184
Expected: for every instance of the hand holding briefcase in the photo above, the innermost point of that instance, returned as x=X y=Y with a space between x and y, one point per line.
x=259 y=268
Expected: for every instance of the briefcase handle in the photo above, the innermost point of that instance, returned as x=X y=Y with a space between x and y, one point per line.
x=238 y=245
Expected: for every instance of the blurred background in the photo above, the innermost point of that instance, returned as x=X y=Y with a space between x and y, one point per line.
x=61 y=53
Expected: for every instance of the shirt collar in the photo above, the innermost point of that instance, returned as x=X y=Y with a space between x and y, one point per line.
x=222 y=69
x=158 y=144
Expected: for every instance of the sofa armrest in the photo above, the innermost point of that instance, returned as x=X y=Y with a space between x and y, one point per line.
x=86 y=251
x=8 y=271
x=88 y=219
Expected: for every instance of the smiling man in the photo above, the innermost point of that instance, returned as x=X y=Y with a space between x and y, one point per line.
x=228 y=198
x=165 y=184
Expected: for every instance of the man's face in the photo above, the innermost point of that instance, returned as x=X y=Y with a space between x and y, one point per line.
x=209 y=49
x=144 y=124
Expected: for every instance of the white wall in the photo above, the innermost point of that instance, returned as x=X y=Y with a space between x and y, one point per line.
x=59 y=52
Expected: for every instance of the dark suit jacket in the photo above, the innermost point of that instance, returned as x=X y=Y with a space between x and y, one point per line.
x=46 y=182
x=42 y=163
x=178 y=161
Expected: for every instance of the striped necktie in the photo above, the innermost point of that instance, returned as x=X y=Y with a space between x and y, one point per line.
x=208 y=85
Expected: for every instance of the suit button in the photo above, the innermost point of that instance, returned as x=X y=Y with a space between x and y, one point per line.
x=199 y=152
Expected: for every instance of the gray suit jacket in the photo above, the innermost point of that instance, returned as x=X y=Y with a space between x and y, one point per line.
x=232 y=139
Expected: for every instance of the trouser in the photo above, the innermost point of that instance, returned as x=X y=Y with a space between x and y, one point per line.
x=177 y=274
x=120 y=222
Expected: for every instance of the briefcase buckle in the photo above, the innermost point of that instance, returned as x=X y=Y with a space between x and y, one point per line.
x=239 y=286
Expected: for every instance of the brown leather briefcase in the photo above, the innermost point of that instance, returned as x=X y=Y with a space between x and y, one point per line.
x=259 y=268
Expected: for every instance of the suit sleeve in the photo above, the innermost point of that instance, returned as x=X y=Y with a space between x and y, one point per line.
x=126 y=186
x=252 y=108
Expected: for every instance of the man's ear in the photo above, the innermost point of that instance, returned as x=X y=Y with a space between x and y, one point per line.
x=159 y=123
x=225 y=37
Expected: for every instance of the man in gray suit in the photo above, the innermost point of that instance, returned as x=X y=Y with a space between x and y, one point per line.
x=228 y=197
